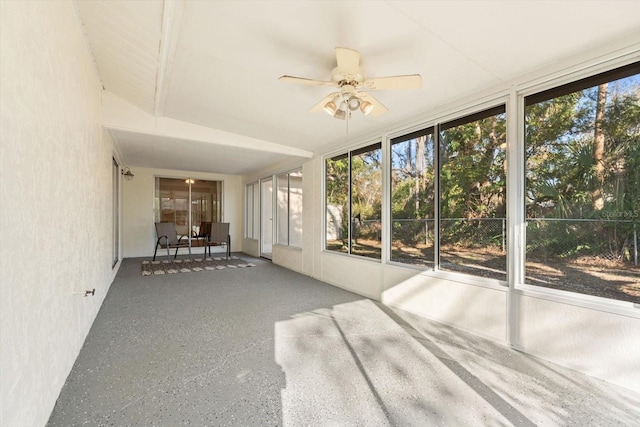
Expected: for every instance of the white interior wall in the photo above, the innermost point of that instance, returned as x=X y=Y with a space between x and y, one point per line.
x=310 y=210
x=138 y=231
x=601 y=344
x=250 y=247
x=56 y=216
x=477 y=309
x=288 y=257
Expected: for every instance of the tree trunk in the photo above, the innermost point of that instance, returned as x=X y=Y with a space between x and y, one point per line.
x=598 y=150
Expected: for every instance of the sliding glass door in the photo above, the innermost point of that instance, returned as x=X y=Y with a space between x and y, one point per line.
x=187 y=203
x=206 y=203
x=266 y=217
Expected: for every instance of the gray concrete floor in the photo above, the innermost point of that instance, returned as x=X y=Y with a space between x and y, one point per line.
x=265 y=346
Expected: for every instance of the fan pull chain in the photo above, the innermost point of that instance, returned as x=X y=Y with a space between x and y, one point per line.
x=347 y=120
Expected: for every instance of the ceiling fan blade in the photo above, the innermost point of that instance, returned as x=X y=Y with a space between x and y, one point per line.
x=411 y=81
x=378 y=108
x=348 y=60
x=320 y=105
x=302 y=80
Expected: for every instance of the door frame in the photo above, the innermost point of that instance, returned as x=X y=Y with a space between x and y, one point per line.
x=262 y=252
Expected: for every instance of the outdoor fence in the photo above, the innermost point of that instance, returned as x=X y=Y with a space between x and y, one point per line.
x=368 y=229
x=469 y=232
x=615 y=240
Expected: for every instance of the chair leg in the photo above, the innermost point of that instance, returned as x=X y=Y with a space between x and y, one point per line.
x=156 y=250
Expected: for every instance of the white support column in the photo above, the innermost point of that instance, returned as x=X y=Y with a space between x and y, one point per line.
x=515 y=208
x=385 y=216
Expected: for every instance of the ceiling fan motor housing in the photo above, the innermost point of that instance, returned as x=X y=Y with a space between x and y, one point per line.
x=343 y=78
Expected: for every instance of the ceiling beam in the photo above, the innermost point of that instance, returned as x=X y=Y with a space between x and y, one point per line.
x=172 y=13
x=118 y=114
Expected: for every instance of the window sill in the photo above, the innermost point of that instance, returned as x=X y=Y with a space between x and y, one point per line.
x=287 y=247
x=468 y=279
x=352 y=256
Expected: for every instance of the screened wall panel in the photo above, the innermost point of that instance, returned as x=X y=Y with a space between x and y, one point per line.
x=473 y=194
x=582 y=156
x=413 y=180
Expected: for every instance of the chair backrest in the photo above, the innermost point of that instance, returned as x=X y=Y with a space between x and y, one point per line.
x=219 y=232
x=205 y=229
x=167 y=229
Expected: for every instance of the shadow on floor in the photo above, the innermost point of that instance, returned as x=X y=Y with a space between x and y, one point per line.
x=267 y=346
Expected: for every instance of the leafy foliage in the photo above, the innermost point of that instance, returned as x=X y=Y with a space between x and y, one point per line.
x=570 y=177
x=360 y=176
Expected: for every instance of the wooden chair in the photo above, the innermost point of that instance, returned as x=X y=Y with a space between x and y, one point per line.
x=168 y=236
x=219 y=236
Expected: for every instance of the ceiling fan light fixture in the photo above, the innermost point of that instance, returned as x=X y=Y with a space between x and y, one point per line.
x=366 y=107
x=330 y=108
x=353 y=102
x=341 y=112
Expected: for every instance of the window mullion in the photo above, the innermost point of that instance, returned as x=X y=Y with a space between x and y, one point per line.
x=436 y=199
x=350 y=221
x=288 y=209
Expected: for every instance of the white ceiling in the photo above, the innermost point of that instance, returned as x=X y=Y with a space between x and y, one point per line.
x=215 y=64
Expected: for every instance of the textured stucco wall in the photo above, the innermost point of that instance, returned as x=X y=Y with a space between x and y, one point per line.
x=55 y=190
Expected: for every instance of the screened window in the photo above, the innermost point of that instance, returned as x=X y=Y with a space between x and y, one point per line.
x=473 y=194
x=282 y=209
x=252 y=211
x=337 y=200
x=289 y=209
x=582 y=156
x=412 y=198
x=354 y=202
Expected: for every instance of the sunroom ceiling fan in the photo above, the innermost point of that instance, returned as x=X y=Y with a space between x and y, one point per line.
x=352 y=86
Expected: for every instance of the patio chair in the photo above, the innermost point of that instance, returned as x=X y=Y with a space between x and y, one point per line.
x=202 y=235
x=219 y=236
x=168 y=236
